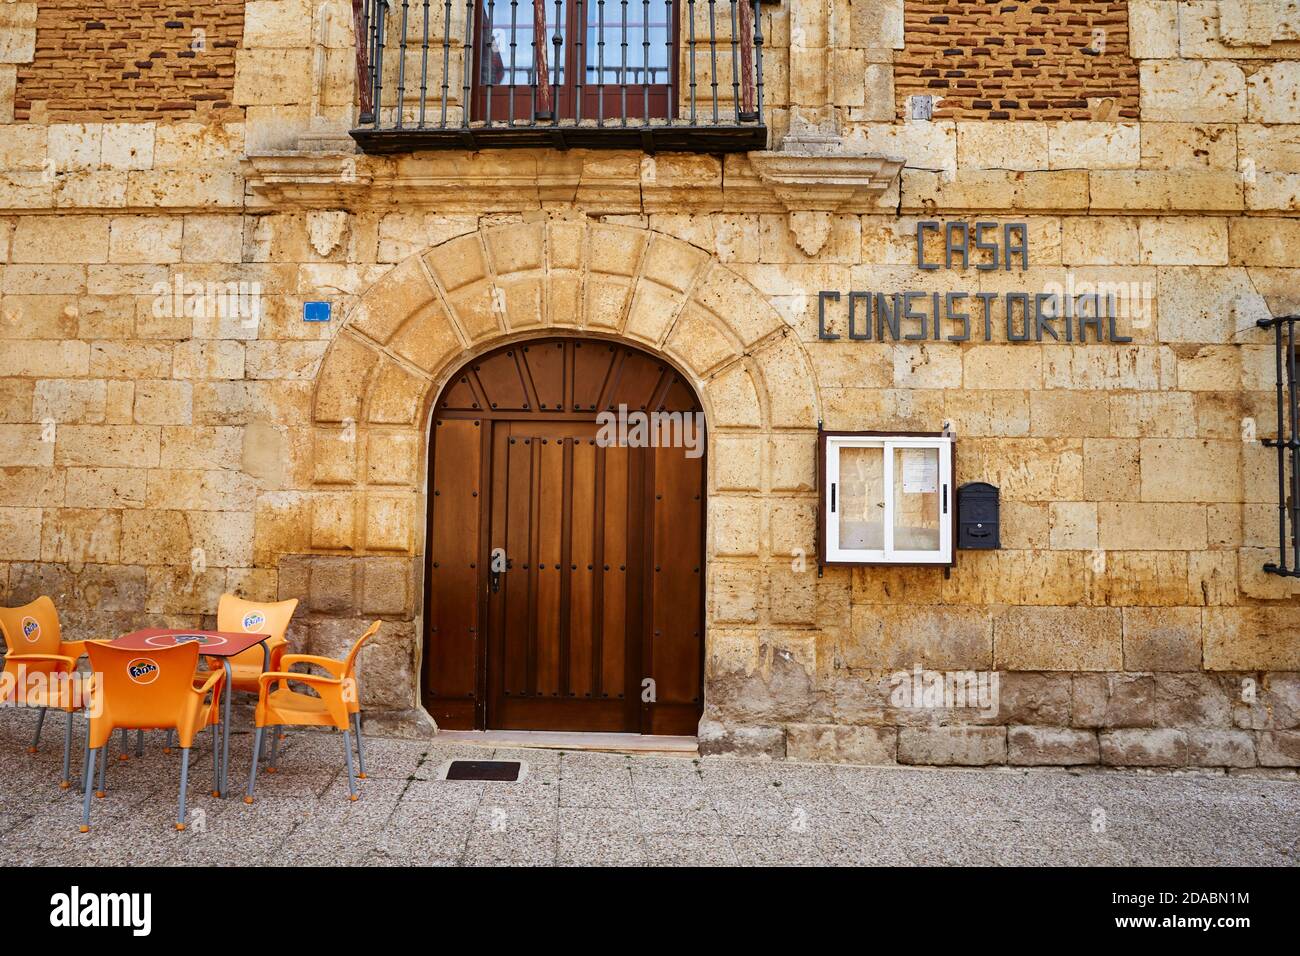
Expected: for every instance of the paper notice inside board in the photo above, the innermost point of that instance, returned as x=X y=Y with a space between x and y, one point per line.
x=920 y=471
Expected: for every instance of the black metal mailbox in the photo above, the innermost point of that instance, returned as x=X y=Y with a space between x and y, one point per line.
x=979 y=523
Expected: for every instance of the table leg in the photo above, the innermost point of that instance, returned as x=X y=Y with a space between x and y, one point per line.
x=269 y=754
x=227 y=692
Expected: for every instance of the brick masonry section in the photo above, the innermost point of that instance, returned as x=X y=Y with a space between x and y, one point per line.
x=99 y=61
x=1044 y=61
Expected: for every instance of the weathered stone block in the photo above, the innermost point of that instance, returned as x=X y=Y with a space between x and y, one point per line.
x=1194 y=699
x=163 y=403
x=953 y=746
x=108 y=445
x=839 y=744
x=1220 y=748
x=1193 y=91
x=901 y=636
x=1247 y=638
x=386 y=586
x=1037 y=699
x=1089 y=145
x=1274 y=93
x=1051 y=746
x=145 y=239
x=1112 y=700
x=794 y=595
x=333 y=586
x=105 y=488
x=20 y=534
x=61 y=239
x=1073 y=525
x=1141 y=526
x=1280 y=748
x=1183 y=241
x=1162 y=639
x=1058 y=639
x=390 y=523
x=333 y=519
x=1144 y=748
x=717 y=740
x=1111 y=470
x=1176 y=469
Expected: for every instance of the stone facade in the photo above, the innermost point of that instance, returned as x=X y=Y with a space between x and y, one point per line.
x=171 y=429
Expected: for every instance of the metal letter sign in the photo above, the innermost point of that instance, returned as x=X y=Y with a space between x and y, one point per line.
x=1081 y=313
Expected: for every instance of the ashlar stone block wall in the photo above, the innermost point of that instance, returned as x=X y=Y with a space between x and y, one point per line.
x=154 y=455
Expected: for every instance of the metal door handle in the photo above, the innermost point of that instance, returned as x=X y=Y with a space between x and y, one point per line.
x=495 y=576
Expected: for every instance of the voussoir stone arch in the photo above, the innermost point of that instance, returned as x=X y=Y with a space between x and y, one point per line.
x=437 y=309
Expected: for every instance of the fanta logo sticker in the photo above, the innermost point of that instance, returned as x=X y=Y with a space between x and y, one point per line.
x=31 y=629
x=142 y=670
x=190 y=639
x=254 y=620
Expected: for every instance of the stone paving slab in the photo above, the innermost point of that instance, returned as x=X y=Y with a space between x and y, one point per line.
x=579 y=808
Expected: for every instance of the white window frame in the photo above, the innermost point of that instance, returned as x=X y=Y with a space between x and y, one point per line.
x=888 y=555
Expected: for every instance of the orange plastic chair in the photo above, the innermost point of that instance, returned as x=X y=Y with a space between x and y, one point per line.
x=40 y=670
x=151 y=690
x=254 y=617
x=337 y=704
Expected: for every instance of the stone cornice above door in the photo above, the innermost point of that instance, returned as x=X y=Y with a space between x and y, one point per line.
x=604 y=182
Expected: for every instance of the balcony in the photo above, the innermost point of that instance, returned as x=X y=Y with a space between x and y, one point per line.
x=655 y=75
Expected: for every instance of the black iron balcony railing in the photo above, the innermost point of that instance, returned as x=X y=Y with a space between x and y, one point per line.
x=681 y=75
x=1287 y=444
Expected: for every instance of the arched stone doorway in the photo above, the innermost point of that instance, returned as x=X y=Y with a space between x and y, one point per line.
x=368 y=487
x=565 y=570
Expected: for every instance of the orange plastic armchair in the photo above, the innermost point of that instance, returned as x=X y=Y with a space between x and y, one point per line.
x=151 y=690
x=254 y=617
x=336 y=703
x=41 y=670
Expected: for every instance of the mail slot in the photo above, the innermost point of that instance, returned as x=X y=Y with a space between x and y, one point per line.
x=978 y=517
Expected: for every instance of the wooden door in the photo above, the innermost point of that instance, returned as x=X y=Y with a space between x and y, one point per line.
x=566 y=572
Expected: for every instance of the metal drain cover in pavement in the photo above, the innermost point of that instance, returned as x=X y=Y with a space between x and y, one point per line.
x=496 y=770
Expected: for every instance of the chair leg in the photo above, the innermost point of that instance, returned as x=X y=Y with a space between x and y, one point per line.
x=66 y=782
x=216 y=761
x=167 y=747
x=252 y=776
x=86 y=778
x=361 y=747
x=85 y=800
x=36 y=741
x=275 y=750
x=126 y=745
x=185 y=782
x=103 y=762
x=352 y=780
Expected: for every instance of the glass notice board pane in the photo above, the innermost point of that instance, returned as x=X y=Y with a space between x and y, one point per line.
x=862 y=499
x=916 y=499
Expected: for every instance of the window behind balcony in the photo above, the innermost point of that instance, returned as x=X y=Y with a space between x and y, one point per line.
x=660 y=74
x=585 y=59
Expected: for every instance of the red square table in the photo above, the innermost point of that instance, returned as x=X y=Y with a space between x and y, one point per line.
x=220 y=644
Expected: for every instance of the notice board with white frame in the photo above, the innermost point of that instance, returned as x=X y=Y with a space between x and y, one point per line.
x=886 y=498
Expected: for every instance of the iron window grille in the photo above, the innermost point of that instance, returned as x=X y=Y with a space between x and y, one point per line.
x=683 y=75
x=1287 y=444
